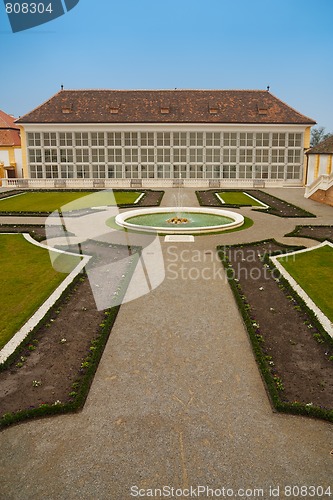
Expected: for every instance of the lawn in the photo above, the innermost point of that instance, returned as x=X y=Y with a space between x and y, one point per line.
x=313 y=271
x=27 y=280
x=238 y=198
x=49 y=201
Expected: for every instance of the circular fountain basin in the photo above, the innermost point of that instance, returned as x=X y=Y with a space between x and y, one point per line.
x=200 y=220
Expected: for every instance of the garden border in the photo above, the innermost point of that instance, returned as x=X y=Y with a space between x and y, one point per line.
x=88 y=367
x=294 y=408
x=302 y=213
x=21 y=335
x=322 y=318
x=139 y=203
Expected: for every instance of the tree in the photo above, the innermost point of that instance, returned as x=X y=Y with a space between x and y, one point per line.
x=318 y=135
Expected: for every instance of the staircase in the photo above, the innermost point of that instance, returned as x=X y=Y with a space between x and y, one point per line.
x=321 y=189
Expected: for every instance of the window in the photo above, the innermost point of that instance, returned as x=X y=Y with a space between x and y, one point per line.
x=113 y=138
x=36 y=171
x=230 y=139
x=179 y=139
x=213 y=172
x=82 y=171
x=245 y=172
x=293 y=172
x=98 y=171
x=294 y=155
x=213 y=139
x=51 y=172
x=34 y=139
x=66 y=139
x=262 y=155
x=278 y=155
x=262 y=139
x=229 y=171
x=179 y=155
x=163 y=171
x=196 y=171
x=81 y=139
x=97 y=155
x=277 y=172
x=196 y=155
x=163 y=139
x=35 y=155
x=229 y=155
x=196 y=139
x=66 y=156
x=147 y=138
x=246 y=155
x=115 y=171
x=51 y=156
x=131 y=172
x=115 y=155
x=246 y=139
x=147 y=155
x=163 y=155
x=147 y=171
x=131 y=138
x=67 y=171
x=82 y=155
x=261 y=171
x=213 y=155
x=131 y=155
x=179 y=171
x=295 y=140
x=97 y=139
x=50 y=139
x=278 y=140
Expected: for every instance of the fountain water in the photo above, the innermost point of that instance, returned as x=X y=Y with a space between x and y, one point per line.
x=179 y=219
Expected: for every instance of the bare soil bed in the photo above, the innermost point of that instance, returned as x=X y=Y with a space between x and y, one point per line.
x=297 y=352
x=276 y=206
x=320 y=233
x=51 y=367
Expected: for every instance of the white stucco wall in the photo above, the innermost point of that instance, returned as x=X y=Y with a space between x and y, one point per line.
x=312 y=163
x=19 y=163
x=4 y=157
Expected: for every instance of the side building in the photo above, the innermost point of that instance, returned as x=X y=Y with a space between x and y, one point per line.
x=236 y=137
x=319 y=181
x=10 y=148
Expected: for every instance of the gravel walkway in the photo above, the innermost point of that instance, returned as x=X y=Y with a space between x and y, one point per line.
x=177 y=399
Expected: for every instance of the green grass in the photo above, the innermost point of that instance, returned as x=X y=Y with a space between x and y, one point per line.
x=238 y=198
x=313 y=271
x=27 y=280
x=51 y=201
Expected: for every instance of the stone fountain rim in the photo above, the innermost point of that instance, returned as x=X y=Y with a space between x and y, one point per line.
x=238 y=220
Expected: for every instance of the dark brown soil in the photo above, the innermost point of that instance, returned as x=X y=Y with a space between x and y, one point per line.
x=300 y=355
x=320 y=233
x=277 y=206
x=60 y=348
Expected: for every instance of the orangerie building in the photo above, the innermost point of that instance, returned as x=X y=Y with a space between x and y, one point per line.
x=205 y=136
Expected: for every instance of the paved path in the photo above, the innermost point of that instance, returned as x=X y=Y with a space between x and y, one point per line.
x=177 y=400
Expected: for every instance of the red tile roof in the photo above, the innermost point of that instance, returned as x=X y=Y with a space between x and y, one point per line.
x=149 y=106
x=9 y=131
x=324 y=147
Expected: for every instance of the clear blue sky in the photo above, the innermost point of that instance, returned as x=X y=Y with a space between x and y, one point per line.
x=128 y=44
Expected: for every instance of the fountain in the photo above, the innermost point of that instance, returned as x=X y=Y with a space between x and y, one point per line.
x=179 y=219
